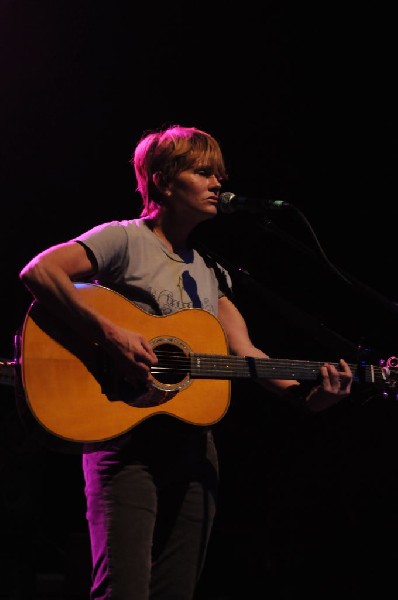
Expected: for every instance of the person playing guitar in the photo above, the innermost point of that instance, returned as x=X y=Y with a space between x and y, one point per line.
x=120 y=304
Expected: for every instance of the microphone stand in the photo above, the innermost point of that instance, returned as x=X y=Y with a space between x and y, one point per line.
x=297 y=316
x=390 y=307
x=300 y=318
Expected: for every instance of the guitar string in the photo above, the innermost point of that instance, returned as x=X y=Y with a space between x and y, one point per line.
x=239 y=365
x=265 y=362
x=175 y=361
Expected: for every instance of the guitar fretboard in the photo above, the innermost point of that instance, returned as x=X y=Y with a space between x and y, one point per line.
x=214 y=366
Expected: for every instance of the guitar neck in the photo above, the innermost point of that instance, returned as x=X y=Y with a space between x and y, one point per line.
x=214 y=366
x=209 y=366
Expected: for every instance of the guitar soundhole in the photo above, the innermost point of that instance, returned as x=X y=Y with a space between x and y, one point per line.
x=172 y=366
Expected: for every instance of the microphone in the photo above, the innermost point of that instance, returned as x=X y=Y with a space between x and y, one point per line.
x=229 y=203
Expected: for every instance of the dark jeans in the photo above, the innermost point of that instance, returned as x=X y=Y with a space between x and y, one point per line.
x=151 y=497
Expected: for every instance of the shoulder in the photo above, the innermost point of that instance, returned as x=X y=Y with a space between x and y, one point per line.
x=115 y=229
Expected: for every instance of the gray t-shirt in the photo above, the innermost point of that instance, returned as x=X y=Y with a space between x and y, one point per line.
x=133 y=261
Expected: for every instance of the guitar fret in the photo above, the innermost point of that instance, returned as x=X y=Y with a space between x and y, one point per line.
x=218 y=367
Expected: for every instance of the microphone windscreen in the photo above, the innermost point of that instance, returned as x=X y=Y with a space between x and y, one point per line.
x=225 y=202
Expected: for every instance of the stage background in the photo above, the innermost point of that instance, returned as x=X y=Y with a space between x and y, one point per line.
x=302 y=98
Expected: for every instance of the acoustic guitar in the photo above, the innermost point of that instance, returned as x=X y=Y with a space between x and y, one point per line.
x=70 y=390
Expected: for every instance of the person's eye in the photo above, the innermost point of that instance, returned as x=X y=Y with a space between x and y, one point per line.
x=204 y=171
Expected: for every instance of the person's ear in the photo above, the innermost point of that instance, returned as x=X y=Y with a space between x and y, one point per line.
x=160 y=183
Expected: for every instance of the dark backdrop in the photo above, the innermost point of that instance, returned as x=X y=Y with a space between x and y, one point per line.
x=302 y=100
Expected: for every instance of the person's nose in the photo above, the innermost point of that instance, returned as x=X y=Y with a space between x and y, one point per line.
x=215 y=183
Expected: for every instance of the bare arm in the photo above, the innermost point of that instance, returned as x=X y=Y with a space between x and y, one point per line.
x=49 y=277
x=334 y=386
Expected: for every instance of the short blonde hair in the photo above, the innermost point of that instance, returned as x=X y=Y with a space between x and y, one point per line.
x=169 y=151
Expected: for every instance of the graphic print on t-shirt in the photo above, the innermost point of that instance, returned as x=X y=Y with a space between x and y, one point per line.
x=184 y=295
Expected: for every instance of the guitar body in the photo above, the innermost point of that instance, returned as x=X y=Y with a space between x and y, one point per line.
x=71 y=391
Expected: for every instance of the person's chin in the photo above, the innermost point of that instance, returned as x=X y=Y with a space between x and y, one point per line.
x=210 y=212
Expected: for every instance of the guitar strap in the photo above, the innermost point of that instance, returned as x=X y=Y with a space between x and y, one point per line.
x=220 y=273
